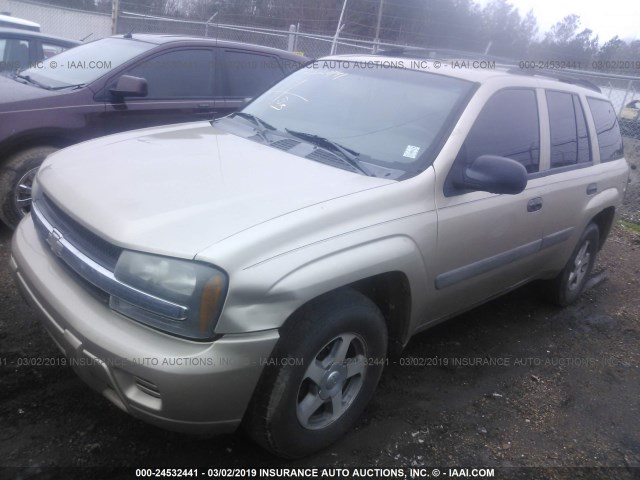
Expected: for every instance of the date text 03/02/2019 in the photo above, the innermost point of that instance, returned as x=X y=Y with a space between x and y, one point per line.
x=371 y=473
x=353 y=472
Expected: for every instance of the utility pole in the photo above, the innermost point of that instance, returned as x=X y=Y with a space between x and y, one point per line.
x=114 y=16
x=339 y=28
x=376 y=42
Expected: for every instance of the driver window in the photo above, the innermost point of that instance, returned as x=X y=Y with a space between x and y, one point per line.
x=179 y=74
x=507 y=126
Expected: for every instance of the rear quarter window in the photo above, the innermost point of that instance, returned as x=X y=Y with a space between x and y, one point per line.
x=569 y=136
x=607 y=130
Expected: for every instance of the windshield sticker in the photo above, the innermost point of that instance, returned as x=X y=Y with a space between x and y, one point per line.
x=411 y=151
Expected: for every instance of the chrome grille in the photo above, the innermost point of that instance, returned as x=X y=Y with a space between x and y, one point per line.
x=100 y=277
x=87 y=242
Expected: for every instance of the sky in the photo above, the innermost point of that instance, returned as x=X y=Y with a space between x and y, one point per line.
x=606 y=18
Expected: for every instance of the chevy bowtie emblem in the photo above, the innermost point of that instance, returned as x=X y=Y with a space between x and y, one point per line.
x=54 y=239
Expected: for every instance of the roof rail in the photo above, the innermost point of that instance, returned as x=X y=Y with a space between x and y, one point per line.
x=441 y=54
x=416 y=52
x=562 y=77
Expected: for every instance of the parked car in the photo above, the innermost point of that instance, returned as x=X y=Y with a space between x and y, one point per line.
x=20 y=49
x=630 y=119
x=8 y=21
x=121 y=83
x=259 y=270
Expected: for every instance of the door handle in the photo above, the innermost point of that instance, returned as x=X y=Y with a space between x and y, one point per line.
x=206 y=110
x=592 y=188
x=534 y=204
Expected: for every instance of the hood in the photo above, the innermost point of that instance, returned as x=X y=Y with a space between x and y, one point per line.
x=176 y=190
x=16 y=96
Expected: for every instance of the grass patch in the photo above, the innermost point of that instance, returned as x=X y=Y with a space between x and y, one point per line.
x=634 y=227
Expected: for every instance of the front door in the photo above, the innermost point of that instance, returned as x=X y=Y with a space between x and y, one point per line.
x=488 y=243
x=180 y=89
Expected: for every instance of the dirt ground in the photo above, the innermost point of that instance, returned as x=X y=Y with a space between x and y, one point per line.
x=525 y=385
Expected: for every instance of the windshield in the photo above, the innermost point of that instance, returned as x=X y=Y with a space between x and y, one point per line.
x=85 y=63
x=390 y=117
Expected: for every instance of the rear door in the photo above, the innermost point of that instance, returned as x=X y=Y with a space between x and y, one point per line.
x=577 y=170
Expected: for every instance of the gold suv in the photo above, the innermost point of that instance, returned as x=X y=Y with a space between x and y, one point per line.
x=259 y=269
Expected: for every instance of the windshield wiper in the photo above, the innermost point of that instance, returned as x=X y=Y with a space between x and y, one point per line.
x=349 y=156
x=32 y=81
x=77 y=85
x=261 y=124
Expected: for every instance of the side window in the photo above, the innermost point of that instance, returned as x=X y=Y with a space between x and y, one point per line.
x=289 y=66
x=609 y=138
x=507 y=126
x=569 y=137
x=15 y=54
x=248 y=74
x=180 y=74
x=584 y=147
x=51 y=49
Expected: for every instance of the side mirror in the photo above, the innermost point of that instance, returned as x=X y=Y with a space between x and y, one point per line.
x=494 y=174
x=128 y=86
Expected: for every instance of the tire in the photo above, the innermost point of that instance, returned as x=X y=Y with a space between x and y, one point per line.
x=293 y=409
x=16 y=178
x=568 y=285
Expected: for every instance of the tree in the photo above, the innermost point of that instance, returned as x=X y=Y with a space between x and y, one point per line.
x=505 y=32
x=566 y=42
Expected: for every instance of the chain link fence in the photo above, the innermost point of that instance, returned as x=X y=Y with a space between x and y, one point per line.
x=623 y=91
x=59 y=21
x=624 y=94
x=310 y=45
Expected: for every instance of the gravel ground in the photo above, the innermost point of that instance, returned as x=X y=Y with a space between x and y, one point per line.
x=525 y=385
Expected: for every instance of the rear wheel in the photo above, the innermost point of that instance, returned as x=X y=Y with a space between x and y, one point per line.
x=568 y=285
x=321 y=375
x=16 y=180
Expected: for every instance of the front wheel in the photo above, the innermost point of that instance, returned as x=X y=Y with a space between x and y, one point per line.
x=568 y=285
x=322 y=374
x=16 y=179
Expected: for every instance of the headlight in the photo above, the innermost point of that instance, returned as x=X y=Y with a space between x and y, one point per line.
x=196 y=290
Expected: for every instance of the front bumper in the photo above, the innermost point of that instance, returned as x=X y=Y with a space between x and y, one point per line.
x=174 y=383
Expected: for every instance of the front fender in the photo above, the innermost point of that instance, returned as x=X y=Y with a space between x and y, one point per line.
x=263 y=296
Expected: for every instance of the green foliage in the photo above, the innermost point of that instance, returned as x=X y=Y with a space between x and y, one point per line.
x=567 y=42
x=634 y=227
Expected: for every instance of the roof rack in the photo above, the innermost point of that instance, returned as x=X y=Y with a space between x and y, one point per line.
x=416 y=52
x=441 y=54
x=562 y=77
